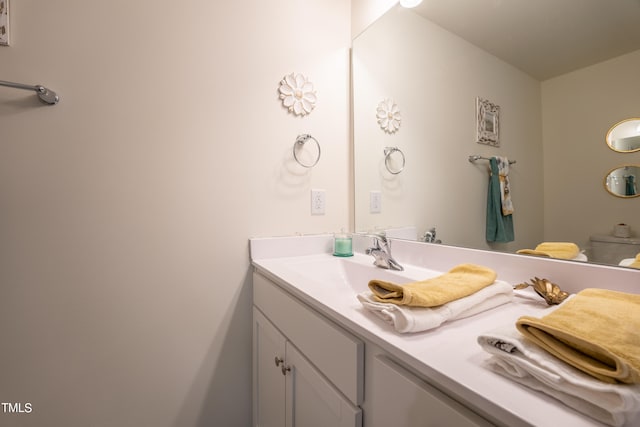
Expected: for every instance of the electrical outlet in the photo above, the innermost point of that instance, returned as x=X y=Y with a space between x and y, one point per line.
x=317 y=202
x=375 y=202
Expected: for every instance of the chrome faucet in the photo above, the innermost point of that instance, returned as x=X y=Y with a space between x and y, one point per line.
x=430 y=236
x=381 y=251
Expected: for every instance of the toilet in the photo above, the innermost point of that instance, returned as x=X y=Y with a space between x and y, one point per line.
x=611 y=250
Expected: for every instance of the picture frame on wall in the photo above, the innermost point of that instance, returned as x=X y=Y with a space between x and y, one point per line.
x=4 y=22
x=488 y=122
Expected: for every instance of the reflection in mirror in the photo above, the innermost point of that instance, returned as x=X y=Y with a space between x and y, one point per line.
x=438 y=78
x=429 y=61
x=624 y=136
x=394 y=160
x=488 y=122
x=623 y=181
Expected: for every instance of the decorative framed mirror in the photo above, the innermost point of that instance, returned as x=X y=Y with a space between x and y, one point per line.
x=488 y=115
x=622 y=181
x=4 y=22
x=624 y=136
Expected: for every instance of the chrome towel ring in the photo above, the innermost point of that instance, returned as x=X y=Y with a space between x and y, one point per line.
x=299 y=144
x=388 y=151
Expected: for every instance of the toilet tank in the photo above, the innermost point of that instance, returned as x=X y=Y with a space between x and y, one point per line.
x=611 y=250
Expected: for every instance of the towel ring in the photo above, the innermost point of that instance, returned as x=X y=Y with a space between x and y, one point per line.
x=388 y=151
x=300 y=141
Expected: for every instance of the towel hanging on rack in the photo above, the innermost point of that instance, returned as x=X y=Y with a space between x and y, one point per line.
x=505 y=186
x=499 y=226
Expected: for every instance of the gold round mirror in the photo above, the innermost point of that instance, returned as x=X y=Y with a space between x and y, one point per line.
x=624 y=136
x=623 y=181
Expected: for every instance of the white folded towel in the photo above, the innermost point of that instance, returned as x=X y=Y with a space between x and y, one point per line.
x=580 y=257
x=626 y=262
x=416 y=319
x=524 y=362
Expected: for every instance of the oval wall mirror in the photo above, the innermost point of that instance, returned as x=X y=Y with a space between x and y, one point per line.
x=623 y=181
x=624 y=136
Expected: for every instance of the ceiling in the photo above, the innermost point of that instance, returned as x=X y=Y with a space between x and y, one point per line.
x=544 y=38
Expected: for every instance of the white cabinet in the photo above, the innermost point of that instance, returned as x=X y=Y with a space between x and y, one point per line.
x=398 y=398
x=311 y=400
x=309 y=372
x=268 y=380
x=321 y=387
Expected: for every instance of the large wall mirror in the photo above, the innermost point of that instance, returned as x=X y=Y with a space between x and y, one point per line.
x=557 y=98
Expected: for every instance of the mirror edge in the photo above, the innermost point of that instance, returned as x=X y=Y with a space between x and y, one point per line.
x=610 y=131
x=606 y=187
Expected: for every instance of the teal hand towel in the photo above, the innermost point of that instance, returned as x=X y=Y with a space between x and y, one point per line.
x=499 y=226
x=630 y=185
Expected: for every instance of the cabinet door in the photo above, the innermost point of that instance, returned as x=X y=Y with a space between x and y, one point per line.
x=400 y=399
x=268 y=380
x=312 y=401
x=333 y=351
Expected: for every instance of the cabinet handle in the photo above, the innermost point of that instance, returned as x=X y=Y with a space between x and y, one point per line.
x=285 y=369
x=279 y=361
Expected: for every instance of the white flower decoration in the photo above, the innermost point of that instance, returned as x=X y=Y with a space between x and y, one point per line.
x=388 y=115
x=297 y=94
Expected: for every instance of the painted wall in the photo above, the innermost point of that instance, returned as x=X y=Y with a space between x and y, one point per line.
x=435 y=77
x=366 y=12
x=125 y=209
x=578 y=110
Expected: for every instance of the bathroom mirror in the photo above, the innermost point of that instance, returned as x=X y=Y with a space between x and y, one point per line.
x=623 y=181
x=624 y=136
x=557 y=101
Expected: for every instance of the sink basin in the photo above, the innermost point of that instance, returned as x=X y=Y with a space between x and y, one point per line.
x=354 y=272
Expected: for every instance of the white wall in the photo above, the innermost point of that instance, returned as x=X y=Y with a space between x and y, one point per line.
x=366 y=12
x=125 y=209
x=578 y=110
x=435 y=77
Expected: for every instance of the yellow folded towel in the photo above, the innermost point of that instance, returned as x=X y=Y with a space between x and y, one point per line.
x=461 y=281
x=597 y=331
x=561 y=250
x=636 y=263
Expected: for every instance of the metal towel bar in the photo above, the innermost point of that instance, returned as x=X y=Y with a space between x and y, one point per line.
x=476 y=157
x=46 y=95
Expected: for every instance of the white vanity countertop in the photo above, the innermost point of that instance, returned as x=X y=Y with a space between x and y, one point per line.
x=449 y=355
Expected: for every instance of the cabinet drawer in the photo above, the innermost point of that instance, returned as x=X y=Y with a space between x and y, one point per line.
x=398 y=398
x=336 y=353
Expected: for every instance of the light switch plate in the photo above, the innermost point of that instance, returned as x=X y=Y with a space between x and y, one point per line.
x=375 y=202
x=317 y=202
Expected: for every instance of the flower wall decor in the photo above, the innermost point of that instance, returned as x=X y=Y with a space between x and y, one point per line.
x=388 y=115
x=297 y=94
